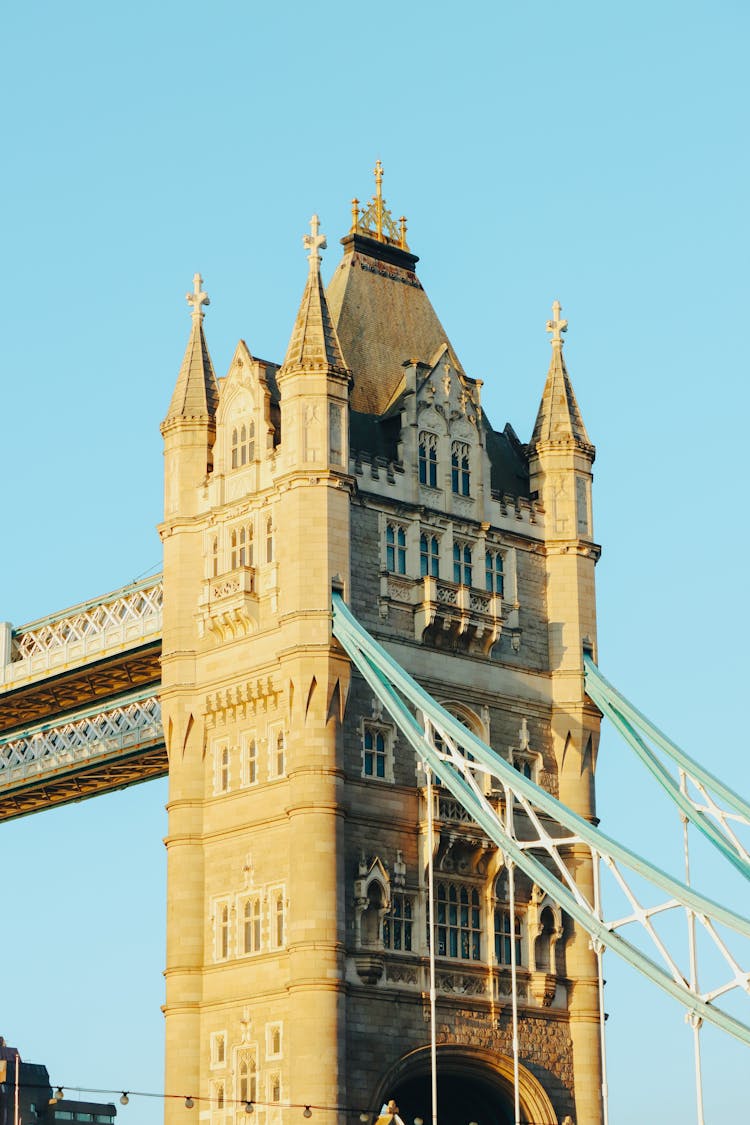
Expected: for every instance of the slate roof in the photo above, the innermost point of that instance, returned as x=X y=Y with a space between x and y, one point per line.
x=382 y=316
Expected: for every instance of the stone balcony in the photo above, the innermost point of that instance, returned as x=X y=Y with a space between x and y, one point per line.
x=461 y=846
x=446 y=614
x=228 y=606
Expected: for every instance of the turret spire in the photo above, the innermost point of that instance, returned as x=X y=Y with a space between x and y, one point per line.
x=559 y=419
x=314 y=343
x=196 y=393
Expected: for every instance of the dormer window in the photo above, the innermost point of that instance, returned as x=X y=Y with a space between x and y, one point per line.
x=428 y=459
x=460 y=475
x=243 y=445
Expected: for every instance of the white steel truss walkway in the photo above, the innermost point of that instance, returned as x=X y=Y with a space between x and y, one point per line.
x=550 y=830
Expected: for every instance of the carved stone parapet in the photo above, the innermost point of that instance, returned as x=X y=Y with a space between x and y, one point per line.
x=503 y=984
x=461 y=846
x=397 y=973
x=461 y=983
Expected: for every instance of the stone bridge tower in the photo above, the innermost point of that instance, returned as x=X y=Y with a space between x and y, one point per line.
x=297 y=844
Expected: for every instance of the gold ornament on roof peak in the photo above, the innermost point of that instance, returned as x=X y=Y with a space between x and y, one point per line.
x=557 y=326
x=375 y=220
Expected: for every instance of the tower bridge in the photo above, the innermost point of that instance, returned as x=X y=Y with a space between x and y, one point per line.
x=328 y=856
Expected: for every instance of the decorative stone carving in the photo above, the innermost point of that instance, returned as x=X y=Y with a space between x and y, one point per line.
x=542 y=987
x=372 y=899
x=254 y=697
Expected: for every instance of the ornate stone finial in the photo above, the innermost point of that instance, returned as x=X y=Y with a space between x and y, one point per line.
x=355 y=215
x=197 y=297
x=314 y=242
x=557 y=326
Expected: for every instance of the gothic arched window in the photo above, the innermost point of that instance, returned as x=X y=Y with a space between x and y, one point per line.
x=460 y=474
x=494 y=578
x=462 y=564
x=428 y=459
x=395 y=548
x=243 y=444
x=458 y=930
x=429 y=556
x=505 y=931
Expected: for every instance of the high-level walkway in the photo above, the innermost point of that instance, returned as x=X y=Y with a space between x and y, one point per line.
x=79 y=707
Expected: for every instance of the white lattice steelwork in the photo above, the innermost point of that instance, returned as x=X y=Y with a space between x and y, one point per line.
x=124 y=619
x=52 y=748
x=546 y=840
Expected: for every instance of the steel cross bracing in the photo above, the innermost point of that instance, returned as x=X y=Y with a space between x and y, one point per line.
x=125 y=618
x=712 y=806
x=549 y=831
x=62 y=744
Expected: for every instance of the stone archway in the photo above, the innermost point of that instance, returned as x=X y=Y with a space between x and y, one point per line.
x=474 y=1085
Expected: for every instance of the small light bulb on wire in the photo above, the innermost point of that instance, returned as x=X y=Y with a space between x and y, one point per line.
x=365 y=1117
x=307 y=1112
x=59 y=1094
x=124 y=1099
x=249 y=1107
x=189 y=1103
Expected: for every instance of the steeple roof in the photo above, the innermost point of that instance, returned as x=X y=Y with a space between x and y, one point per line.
x=559 y=418
x=382 y=314
x=196 y=393
x=314 y=343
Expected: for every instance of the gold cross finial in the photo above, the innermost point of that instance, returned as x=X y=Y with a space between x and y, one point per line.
x=557 y=326
x=314 y=242
x=379 y=198
x=197 y=297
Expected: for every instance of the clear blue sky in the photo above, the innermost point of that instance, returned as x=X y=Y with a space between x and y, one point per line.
x=591 y=152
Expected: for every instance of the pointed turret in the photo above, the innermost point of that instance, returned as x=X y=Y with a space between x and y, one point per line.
x=196 y=393
x=559 y=418
x=314 y=344
x=189 y=429
x=560 y=459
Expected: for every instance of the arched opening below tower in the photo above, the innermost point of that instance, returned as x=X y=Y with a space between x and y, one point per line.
x=462 y=1098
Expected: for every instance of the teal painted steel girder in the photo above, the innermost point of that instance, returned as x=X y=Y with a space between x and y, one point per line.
x=387 y=678
x=723 y=843
x=598 y=688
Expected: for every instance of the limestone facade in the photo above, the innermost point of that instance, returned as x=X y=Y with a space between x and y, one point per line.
x=297 y=847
